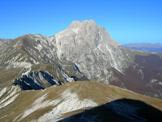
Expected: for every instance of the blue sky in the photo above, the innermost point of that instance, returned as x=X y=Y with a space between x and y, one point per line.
x=128 y=21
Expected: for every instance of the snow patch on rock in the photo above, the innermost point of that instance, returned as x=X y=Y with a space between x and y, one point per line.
x=2 y=91
x=67 y=102
x=70 y=102
x=27 y=72
x=8 y=96
x=19 y=65
x=39 y=47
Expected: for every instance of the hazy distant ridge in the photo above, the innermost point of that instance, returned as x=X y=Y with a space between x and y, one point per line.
x=149 y=47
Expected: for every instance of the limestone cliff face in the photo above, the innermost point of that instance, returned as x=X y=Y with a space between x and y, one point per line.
x=91 y=48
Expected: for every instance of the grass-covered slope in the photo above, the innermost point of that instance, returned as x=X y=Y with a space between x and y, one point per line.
x=58 y=102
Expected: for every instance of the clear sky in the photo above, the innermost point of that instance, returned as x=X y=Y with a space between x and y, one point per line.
x=126 y=20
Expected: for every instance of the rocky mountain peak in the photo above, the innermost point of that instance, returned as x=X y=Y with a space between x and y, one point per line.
x=75 y=26
x=83 y=36
x=88 y=45
x=91 y=26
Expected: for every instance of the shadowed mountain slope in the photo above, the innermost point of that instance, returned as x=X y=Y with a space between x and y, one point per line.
x=55 y=103
x=121 y=110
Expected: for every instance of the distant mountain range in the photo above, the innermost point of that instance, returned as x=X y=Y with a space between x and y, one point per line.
x=148 y=47
x=79 y=71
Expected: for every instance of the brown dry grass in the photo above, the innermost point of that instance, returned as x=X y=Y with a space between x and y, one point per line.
x=97 y=92
x=6 y=76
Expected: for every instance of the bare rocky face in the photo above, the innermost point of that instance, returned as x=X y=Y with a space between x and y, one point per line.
x=91 y=48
